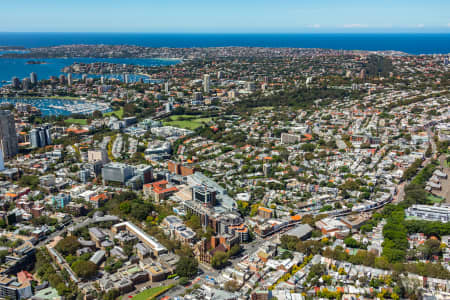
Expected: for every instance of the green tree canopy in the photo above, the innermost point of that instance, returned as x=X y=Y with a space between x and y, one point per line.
x=219 y=260
x=84 y=269
x=68 y=245
x=187 y=267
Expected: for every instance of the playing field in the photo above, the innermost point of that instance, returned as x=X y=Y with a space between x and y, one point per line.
x=117 y=113
x=76 y=121
x=434 y=199
x=152 y=293
x=186 y=121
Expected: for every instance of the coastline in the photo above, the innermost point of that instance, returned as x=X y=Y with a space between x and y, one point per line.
x=414 y=43
x=47 y=97
x=60 y=106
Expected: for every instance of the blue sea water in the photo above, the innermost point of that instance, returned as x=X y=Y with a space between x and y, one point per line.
x=18 y=67
x=409 y=43
x=412 y=43
x=406 y=42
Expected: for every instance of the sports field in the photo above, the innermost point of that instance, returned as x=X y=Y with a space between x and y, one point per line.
x=186 y=121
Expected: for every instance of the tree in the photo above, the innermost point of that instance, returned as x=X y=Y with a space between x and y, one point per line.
x=29 y=180
x=140 y=211
x=84 y=269
x=125 y=207
x=68 y=245
x=183 y=281
x=366 y=228
x=415 y=194
x=309 y=247
x=111 y=294
x=316 y=270
x=429 y=151
x=187 y=267
x=97 y=114
x=394 y=255
x=235 y=250
x=289 y=242
x=430 y=248
x=351 y=242
x=3 y=254
x=219 y=260
x=231 y=286
x=308 y=147
x=61 y=288
x=194 y=222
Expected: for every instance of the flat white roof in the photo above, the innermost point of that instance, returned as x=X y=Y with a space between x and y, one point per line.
x=144 y=236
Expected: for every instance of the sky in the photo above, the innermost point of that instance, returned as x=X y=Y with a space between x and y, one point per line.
x=228 y=16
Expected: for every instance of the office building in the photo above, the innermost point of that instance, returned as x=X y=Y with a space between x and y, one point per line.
x=429 y=213
x=156 y=247
x=33 y=78
x=117 y=172
x=84 y=175
x=232 y=94
x=267 y=168
x=175 y=226
x=10 y=288
x=204 y=194
x=70 y=79
x=2 y=163
x=62 y=79
x=15 y=82
x=251 y=87
x=8 y=136
x=179 y=169
x=197 y=96
x=26 y=84
x=206 y=83
x=287 y=138
x=166 y=87
x=40 y=137
x=61 y=200
x=265 y=213
x=100 y=155
x=145 y=173
x=362 y=74
x=168 y=107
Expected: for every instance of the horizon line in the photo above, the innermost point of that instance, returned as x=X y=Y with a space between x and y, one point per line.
x=213 y=33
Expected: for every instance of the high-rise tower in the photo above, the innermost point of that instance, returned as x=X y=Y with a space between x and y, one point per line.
x=8 y=136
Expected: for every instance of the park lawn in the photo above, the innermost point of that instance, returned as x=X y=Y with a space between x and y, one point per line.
x=434 y=199
x=152 y=293
x=189 y=122
x=76 y=121
x=263 y=108
x=117 y=113
x=64 y=97
x=177 y=117
x=195 y=118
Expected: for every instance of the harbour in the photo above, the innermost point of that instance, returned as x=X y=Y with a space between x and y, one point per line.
x=61 y=107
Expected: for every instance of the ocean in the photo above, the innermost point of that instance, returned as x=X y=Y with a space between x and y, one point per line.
x=409 y=43
x=406 y=42
x=18 y=67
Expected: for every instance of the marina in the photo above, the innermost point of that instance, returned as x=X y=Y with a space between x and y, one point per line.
x=61 y=107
